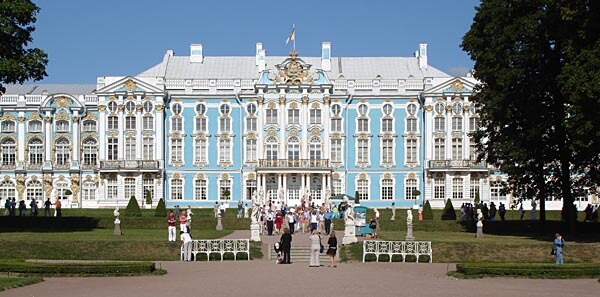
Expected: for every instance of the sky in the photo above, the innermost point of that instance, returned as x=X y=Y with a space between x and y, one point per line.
x=85 y=39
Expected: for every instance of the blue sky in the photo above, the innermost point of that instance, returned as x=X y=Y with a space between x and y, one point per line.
x=85 y=39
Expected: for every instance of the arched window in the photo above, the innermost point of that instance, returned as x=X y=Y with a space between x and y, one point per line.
x=271 y=147
x=34 y=190
x=315 y=148
x=62 y=126
x=89 y=126
x=8 y=126
x=34 y=126
x=36 y=152
x=63 y=152
x=8 y=152
x=7 y=190
x=61 y=189
x=90 y=152
x=293 y=148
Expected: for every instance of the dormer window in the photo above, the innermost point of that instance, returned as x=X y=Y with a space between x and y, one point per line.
x=62 y=126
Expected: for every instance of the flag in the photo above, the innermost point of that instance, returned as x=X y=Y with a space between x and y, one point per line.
x=291 y=37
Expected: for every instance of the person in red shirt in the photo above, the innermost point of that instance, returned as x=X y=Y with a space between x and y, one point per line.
x=278 y=222
x=182 y=220
x=58 y=208
x=171 y=228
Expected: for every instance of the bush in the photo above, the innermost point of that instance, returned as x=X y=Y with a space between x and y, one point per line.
x=427 y=212
x=133 y=208
x=449 y=213
x=356 y=200
x=91 y=268
x=161 y=209
x=149 y=198
x=531 y=270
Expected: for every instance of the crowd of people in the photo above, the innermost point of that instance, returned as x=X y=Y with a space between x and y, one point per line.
x=11 y=208
x=468 y=211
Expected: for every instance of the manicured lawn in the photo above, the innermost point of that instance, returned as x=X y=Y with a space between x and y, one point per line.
x=15 y=282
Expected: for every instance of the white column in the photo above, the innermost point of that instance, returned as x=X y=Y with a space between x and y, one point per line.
x=121 y=155
x=260 y=139
x=282 y=123
x=48 y=140
x=326 y=128
x=102 y=138
x=160 y=141
x=304 y=118
x=139 y=142
x=76 y=141
x=284 y=186
x=303 y=185
x=21 y=138
x=264 y=188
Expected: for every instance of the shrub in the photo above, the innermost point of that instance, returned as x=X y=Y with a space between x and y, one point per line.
x=161 y=209
x=427 y=212
x=149 y=198
x=356 y=200
x=530 y=270
x=449 y=213
x=91 y=268
x=133 y=208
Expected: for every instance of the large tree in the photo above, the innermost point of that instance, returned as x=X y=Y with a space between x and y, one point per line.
x=18 y=63
x=537 y=120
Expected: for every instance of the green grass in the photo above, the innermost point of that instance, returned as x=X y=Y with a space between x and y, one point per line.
x=528 y=270
x=15 y=282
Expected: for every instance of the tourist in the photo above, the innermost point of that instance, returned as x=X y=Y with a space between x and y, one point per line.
x=285 y=243
x=302 y=222
x=533 y=208
x=291 y=219
x=420 y=212
x=332 y=249
x=588 y=213
x=327 y=218
x=377 y=219
x=246 y=213
x=502 y=211
x=7 y=207
x=188 y=219
x=278 y=222
x=47 y=207
x=393 y=211
x=216 y=209
x=240 y=207
x=171 y=226
x=521 y=211
x=222 y=209
x=321 y=225
x=557 y=247
x=270 y=219
x=492 y=211
x=58 y=208
x=13 y=205
x=315 y=247
x=22 y=208
x=182 y=220
x=34 y=207
x=186 y=247
x=373 y=227
x=176 y=211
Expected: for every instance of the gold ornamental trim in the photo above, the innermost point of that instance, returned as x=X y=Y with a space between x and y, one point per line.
x=457 y=85
x=62 y=102
x=129 y=85
x=34 y=116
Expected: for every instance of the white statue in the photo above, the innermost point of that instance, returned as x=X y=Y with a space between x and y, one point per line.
x=409 y=216
x=349 y=215
x=255 y=208
x=479 y=218
x=116 y=214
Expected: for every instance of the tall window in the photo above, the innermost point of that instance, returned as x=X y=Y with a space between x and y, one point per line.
x=337 y=186
x=336 y=150
x=88 y=191
x=473 y=124
x=148 y=148
x=61 y=189
x=177 y=189
x=63 y=152
x=130 y=148
x=148 y=187
x=271 y=114
x=90 y=152
x=456 y=123
x=200 y=151
x=271 y=148
x=251 y=124
x=457 y=149
x=387 y=151
x=148 y=122
x=200 y=189
x=362 y=186
x=457 y=188
x=88 y=126
x=176 y=151
x=130 y=123
x=62 y=126
x=387 y=189
x=113 y=148
x=34 y=190
x=177 y=124
x=497 y=193
x=7 y=189
x=113 y=123
x=409 y=190
x=129 y=187
x=36 y=152
x=315 y=116
x=8 y=126
x=112 y=189
x=474 y=188
x=294 y=116
x=439 y=149
x=411 y=125
x=315 y=148
x=224 y=150
x=387 y=125
x=36 y=126
x=8 y=152
x=225 y=189
x=225 y=124
x=439 y=188
x=250 y=188
x=411 y=151
x=362 y=152
x=293 y=148
x=363 y=125
x=439 y=123
x=472 y=149
x=336 y=125
x=201 y=124
x=251 y=150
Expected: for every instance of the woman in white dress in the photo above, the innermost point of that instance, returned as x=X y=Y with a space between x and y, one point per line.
x=315 y=249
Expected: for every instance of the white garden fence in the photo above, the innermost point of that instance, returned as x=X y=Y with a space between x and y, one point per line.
x=401 y=248
x=220 y=247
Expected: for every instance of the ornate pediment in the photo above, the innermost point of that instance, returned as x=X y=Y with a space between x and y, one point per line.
x=293 y=71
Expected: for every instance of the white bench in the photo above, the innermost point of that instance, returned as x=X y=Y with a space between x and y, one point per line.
x=219 y=246
x=402 y=248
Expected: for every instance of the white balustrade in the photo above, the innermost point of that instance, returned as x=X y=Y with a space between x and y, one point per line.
x=363 y=85
x=219 y=246
x=9 y=98
x=414 y=84
x=225 y=84
x=340 y=84
x=200 y=84
x=247 y=84
x=388 y=85
x=91 y=99
x=401 y=248
x=175 y=84
x=33 y=99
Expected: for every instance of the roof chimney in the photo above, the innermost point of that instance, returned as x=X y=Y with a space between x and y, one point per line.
x=261 y=55
x=196 y=53
x=326 y=56
x=422 y=55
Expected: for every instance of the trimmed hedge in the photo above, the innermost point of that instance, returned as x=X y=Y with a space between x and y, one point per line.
x=427 y=212
x=530 y=270
x=449 y=213
x=133 y=208
x=47 y=224
x=83 y=269
x=161 y=209
x=15 y=282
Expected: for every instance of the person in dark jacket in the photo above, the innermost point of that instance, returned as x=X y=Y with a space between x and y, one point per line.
x=285 y=244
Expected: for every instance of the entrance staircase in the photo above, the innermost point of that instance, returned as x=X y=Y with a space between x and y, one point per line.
x=299 y=254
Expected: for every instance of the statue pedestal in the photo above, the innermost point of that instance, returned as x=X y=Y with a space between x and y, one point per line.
x=117 y=230
x=349 y=234
x=409 y=232
x=479 y=230
x=219 y=224
x=255 y=232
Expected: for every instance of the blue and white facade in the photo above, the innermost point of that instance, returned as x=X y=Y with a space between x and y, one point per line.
x=203 y=129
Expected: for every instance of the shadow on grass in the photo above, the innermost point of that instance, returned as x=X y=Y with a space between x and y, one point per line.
x=47 y=224
x=586 y=232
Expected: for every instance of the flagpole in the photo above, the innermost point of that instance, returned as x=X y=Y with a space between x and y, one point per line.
x=294 y=30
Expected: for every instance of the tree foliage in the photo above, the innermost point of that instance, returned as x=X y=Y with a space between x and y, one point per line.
x=427 y=211
x=18 y=63
x=133 y=208
x=539 y=125
x=161 y=209
x=449 y=213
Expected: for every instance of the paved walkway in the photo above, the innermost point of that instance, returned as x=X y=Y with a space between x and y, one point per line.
x=262 y=278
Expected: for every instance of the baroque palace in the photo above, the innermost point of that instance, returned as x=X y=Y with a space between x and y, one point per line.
x=199 y=129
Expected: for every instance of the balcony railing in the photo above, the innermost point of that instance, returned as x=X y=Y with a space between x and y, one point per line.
x=301 y=163
x=129 y=165
x=470 y=164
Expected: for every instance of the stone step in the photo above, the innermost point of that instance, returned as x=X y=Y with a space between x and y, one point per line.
x=297 y=254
